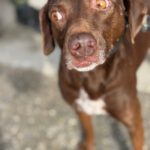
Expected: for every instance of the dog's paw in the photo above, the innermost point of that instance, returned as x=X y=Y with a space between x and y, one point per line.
x=85 y=146
x=145 y=147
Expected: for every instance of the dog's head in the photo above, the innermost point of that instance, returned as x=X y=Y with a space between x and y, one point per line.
x=87 y=30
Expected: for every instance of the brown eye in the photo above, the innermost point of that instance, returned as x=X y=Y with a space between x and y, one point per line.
x=56 y=16
x=103 y=4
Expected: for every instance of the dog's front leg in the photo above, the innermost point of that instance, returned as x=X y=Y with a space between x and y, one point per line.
x=136 y=129
x=131 y=117
x=87 y=141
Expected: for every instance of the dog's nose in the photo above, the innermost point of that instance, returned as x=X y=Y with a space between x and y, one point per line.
x=82 y=45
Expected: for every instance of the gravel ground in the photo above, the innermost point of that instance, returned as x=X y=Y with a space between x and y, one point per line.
x=34 y=116
x=31 y=114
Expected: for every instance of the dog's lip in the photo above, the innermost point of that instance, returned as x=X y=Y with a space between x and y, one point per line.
x=85 y=62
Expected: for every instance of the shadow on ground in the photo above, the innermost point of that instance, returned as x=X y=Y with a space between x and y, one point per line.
x=3 y=144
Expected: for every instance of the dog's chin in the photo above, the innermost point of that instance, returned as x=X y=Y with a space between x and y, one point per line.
x=85 y=67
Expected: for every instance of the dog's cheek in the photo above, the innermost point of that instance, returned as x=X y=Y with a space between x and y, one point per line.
x=118 y=25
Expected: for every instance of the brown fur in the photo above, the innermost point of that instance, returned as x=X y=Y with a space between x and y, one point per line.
x=115 y=80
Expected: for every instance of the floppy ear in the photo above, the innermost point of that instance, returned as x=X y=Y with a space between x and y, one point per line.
x=45 y=26
x=136 y=13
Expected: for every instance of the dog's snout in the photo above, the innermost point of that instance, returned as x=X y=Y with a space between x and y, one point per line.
x=82 y=45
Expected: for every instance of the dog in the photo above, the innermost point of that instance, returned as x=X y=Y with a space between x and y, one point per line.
x=102 y=46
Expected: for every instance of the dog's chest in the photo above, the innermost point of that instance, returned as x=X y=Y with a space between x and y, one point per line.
x=89 y=106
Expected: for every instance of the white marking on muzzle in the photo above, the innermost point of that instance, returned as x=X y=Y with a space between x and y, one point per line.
x=84 y=69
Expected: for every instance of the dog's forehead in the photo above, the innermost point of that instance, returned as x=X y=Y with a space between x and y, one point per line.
x=72 y=3
x=79 y=5
x=79 y=2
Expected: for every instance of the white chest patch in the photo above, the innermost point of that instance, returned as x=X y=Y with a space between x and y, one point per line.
x=90 y=107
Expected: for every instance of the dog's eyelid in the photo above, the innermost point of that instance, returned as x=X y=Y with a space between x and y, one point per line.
x=58 y=7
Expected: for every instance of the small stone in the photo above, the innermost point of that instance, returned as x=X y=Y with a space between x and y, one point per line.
x=52 y=113
x=28 y=148
x=72 y=122
x=14 y=130
x=16 y=118
x=41 y=146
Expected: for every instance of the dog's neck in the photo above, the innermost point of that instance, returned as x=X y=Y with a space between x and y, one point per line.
x=116 y=46
x=145 y=28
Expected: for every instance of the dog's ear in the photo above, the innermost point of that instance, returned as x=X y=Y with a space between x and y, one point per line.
x=45 y=26
x=136 y=11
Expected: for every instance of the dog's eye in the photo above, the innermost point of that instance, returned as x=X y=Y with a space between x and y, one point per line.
x=102 y=4
x=56 y=16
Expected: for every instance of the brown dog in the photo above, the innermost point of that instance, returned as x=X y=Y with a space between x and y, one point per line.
x=102 y=47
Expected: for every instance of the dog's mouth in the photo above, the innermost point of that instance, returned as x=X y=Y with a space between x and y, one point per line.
x=87 y=63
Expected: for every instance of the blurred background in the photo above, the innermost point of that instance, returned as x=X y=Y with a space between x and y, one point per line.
x=33 y=115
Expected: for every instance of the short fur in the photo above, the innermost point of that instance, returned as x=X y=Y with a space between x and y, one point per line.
x=115 y=78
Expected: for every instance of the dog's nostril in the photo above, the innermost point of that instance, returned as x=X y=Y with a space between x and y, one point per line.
x=91 y=43
x=76 y=46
